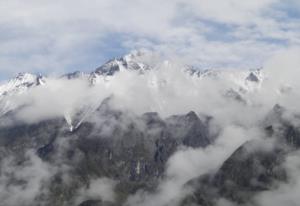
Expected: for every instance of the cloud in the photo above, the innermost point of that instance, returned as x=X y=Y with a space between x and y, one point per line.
x=57 y=37
x=167 y=90
x=188 y=163
x=281 y=82
x=58 y=98
x=235 y=124
x=99 y=189
x=286 y=193
x=23 y=183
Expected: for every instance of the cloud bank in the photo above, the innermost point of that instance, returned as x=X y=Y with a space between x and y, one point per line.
x=57 y=37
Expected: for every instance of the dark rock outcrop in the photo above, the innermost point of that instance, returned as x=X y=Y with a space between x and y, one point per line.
x=256 y=166
x=132 y=150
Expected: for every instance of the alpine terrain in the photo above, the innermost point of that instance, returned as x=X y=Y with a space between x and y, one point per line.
x=140 y=130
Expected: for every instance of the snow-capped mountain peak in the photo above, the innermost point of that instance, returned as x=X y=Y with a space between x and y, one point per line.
x=21 y=82
x=18 y=85
x=243 y=81
x=132 y=62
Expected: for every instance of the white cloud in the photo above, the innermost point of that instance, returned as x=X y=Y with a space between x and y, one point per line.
x=55 y=36
x=167 y=90
x=98 y=189
x=285 y=193
x=188 y=163
x=33 y=174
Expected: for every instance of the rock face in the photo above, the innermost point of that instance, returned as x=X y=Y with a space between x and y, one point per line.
x=136 y=153
x=251 y=169
x=96 y=203
x=134 y=150
x=252 y=77
x=246 y=171
x=130 y=150
x=241 y=176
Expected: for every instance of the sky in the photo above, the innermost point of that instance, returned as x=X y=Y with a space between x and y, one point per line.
x=55 y=37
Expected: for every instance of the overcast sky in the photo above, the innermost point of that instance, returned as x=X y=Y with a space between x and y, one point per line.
x=53 y=37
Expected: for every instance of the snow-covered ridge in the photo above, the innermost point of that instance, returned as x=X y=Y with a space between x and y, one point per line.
x=20 y=83
x=243 y=81
x=134 y=61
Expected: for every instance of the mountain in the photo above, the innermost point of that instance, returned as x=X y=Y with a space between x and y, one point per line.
x=110 y=137
x=132 y=61
x=18 y=85
x=21 y=83
x=135 y=154
x=244 y=81
x=251 y=169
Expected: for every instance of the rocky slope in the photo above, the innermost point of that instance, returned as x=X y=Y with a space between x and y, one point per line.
x=251 y=168
x=134 y=152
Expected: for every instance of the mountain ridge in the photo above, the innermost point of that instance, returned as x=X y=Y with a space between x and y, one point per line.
x=140 y=131
x=246 y=81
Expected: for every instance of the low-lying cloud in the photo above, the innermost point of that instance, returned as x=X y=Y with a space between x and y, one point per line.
x=168 y=90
